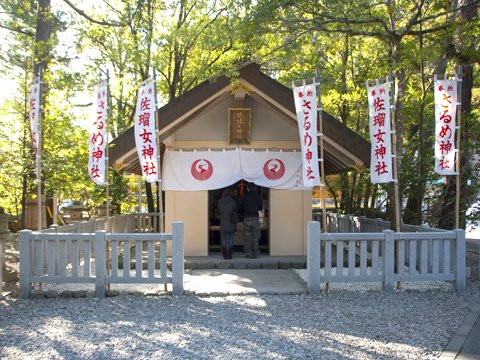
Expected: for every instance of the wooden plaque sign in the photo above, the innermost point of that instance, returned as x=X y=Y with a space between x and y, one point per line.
x=239 y=120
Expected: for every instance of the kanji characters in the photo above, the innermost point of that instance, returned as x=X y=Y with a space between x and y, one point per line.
x=380 y=133
x=94 y=171
x=145 y=133
x=306 y=116
x=149 y=168
x=381 y=168
x=380 y=151
x=146 y=136
x=379 y=120
x=97 y=154
x=145 y=104
x=445 y=146
x=378 y=104
x=97 y=137
x=445 y=112
x=148 y=152
x=144 y=119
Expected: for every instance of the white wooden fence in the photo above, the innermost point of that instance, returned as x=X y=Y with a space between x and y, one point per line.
x=345 y=223
x=370 y=257
x=125 y=223
x=53 y=257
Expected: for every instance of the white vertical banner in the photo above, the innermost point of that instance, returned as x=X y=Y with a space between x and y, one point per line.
x=381 y=169
x=306 y=109
x=145 y=133
x=34 y=114
x=98 y=137
x=445 y=126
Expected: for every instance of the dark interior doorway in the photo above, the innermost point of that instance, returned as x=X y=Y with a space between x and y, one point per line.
x=214 y=226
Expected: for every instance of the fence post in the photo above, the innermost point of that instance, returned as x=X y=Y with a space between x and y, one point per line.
x=460 y=271
x=313 y=258
x=25 y=264
x=362 y=223
x=177 y=258
x=388 y=261
x=100 y=262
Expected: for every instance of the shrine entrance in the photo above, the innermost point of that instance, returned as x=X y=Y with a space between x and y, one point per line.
x=239 y=188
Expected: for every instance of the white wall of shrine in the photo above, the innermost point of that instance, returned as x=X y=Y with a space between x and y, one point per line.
x=289 y=211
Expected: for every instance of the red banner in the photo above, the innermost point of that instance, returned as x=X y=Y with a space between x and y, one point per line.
x=381 y=170
x=98 y=137
x=445 y=126
x=34 y=115
x=145 y=133
x=306 y=108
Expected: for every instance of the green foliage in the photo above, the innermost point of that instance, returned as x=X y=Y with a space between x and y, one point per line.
x=14 y=165
x=187 y=42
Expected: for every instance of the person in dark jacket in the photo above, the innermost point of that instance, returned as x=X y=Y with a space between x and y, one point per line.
x=250 y=204
x=227 y=207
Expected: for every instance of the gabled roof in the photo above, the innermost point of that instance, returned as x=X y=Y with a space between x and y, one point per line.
x=343 y=148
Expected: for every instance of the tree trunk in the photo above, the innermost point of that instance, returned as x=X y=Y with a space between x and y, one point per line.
x=150 y=201
x=42 y=37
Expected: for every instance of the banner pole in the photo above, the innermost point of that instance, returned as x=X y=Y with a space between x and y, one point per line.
x=458 y=77
x=107 y=190
x=396 y=184
x=140 y=190
x=322 y=162
x=39 y=150
x=140 y=193
x=159 y=146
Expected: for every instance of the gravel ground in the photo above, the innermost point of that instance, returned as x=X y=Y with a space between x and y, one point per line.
x=334 y=325
x=340 y=324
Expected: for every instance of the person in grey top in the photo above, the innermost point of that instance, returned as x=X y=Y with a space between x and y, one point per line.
x=250 y=204
x=227 y=206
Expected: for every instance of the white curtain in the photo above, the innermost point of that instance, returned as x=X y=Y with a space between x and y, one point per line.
x=208 y=170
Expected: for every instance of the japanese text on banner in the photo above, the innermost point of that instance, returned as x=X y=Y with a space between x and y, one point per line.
x=98 y=138
x=445 y=124
x=34 y=115
x=306 y=109
x=145 y=137
x=380 y=135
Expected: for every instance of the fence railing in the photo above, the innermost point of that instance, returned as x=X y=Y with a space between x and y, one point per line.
x=124 y=223
x=371 y=257
x=344 y=223
x=48 y=257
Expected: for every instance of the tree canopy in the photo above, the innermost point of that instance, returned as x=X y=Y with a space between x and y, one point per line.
x=189 y=41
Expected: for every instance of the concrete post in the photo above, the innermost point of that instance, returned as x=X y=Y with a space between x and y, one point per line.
x=460 y=266
x=388 y=261
x=25 y=264
x=177 y=258
x=100 y=263
x=313 y=258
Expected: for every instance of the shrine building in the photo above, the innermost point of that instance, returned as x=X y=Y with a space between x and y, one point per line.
x=224 y=133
